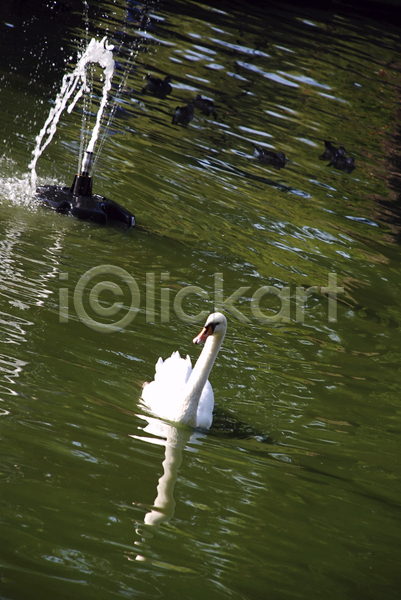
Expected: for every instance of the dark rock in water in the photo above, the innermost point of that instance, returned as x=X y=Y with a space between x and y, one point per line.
x=205 y=105
x=277 y=160
x=338 y=158
x=160 y=88
x=183 y=114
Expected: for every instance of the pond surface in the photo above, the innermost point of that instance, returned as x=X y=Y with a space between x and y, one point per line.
x=295 y=491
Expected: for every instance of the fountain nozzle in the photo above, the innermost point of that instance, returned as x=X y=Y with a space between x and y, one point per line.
x=87 y=163
x=82 y=184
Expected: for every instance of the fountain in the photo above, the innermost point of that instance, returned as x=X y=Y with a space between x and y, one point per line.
x=78 y=200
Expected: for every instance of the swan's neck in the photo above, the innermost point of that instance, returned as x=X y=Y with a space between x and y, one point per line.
x=197 y=380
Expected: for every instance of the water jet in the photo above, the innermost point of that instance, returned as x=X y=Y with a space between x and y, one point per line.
x=79 y=200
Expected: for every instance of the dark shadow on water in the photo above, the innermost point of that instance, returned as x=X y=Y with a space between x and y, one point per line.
x=389 y=209
x=228 y=427
x=223 y=166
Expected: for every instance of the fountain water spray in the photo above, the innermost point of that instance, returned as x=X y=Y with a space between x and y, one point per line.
x=78 y=199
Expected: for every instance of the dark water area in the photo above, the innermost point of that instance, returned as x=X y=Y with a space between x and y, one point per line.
x=295 y=491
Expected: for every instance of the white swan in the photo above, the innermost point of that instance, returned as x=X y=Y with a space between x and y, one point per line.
x=180 y=393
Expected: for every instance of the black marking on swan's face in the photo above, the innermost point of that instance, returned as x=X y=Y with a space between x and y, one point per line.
x=211 y=325
x=215 y=324
x=215 y=320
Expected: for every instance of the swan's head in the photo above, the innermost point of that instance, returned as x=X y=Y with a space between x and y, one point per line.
x=216 y=326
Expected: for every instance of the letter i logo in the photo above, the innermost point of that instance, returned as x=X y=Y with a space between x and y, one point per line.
x=63 y=300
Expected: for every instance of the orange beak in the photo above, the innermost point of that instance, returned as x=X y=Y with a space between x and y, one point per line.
x=199 y=339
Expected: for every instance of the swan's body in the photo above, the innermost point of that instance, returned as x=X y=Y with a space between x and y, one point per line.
x=180 y=393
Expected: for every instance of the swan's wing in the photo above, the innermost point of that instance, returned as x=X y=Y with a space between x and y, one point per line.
x=173 y=368
x=159 y=366
x=204 y=416
x=162 y=394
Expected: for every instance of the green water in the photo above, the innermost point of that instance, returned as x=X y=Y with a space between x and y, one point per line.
x=295 y=491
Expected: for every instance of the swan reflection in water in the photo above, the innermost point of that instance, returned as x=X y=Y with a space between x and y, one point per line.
x=174 y=437
x=184 y=397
